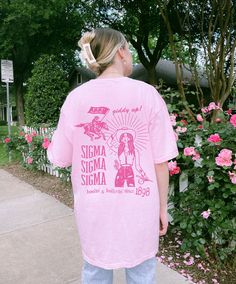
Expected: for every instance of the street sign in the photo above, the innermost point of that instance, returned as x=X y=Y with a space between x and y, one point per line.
x=7 y=71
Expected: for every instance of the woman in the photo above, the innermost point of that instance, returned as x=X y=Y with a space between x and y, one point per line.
x=127 y=155
x=118 y=228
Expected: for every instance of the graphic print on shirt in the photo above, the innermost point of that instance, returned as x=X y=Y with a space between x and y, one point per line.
x=94 y=129
x=127 y=137
x=93 y=157
x=123 y=133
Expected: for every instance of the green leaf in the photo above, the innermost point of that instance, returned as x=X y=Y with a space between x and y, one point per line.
x=225 y=195
x=183 y=225
x=211 y=186
x=202 y=241
x=199 y=232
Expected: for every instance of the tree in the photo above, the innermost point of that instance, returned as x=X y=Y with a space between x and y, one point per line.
x=140 y=21
x=30 y=28
x=208 y=26
x=46 y=91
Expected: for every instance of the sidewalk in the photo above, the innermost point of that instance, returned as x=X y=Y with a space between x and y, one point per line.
x=39 y=242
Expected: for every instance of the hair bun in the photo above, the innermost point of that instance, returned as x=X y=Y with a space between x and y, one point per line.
x=99 y=47
x=86 y=38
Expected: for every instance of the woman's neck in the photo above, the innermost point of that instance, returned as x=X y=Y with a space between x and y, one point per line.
x=111 y=72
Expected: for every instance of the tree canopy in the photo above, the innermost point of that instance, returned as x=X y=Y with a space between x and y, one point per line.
x=176 y=29
x=208 y=26
x=30 y=28
x=140 y=21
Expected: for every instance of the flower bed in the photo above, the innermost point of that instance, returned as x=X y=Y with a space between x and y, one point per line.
x=205 y=211
x=32 y=143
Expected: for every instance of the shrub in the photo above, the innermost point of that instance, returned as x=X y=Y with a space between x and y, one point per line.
x=3 y=122
x=46 y=91
x=205 y=212
x=32 y=147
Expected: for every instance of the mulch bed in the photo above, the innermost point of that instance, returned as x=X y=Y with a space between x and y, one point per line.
x=44 y=182
x=193 y=267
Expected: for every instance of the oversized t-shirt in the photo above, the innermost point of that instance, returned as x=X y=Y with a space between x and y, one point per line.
x=112 y=131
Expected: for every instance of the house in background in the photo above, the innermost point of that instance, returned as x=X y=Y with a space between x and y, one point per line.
x=165 y=71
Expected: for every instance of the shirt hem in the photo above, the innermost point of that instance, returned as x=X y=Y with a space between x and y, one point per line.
x=119 y=265
x=166 y=158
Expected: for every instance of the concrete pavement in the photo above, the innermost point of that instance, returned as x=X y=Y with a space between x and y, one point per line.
x=39 y=243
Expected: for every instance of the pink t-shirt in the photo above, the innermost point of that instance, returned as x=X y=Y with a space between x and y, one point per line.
x=112 y=131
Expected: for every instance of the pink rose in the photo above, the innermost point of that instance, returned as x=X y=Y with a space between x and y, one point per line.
x=217 y=120
x=199 y=118
x=7 y=140
x=29 y=160
x=213 y=106
x=46 y=143
x=196 y=156
x=205 y=110
x=181 y=129
x=226 y=153
x=206 y=214
x=232 y=177
x=189 y=151
x=224 y=158
x=184 y=122
x=229 y=111
x=34 y=133
x=233 y=120
x=223 y=162
x=214 y=138
x=173 y=168
x=28 y=138
x=173 y=119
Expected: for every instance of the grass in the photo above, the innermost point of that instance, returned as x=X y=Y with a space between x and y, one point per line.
x=4 y=131
x=4 y=157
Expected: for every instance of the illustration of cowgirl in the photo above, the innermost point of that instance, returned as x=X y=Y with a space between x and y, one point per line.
x=128 y=156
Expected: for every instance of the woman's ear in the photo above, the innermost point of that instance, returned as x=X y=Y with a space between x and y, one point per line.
x=121 y=52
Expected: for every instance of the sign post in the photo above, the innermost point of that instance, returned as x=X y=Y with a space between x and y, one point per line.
x=7 y=77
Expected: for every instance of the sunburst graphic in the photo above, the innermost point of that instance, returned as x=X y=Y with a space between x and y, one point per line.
x=122 y=122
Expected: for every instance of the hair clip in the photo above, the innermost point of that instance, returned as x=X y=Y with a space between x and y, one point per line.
x=88 y=53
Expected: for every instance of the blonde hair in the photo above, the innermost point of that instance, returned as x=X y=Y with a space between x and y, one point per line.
x=104 y=43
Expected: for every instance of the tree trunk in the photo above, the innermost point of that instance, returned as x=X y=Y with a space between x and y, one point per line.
x=19 y=102
x=152 y=76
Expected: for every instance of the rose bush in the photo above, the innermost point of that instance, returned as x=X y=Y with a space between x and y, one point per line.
x=32 y=147
x=205 y=212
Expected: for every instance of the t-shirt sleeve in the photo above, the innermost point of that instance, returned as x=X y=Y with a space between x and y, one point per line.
x=162 y=136
x=60 y=149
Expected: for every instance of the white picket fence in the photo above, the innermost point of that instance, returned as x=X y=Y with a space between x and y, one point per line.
x=45 y=132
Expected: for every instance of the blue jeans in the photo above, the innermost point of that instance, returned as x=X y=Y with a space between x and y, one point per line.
x=144 y=273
